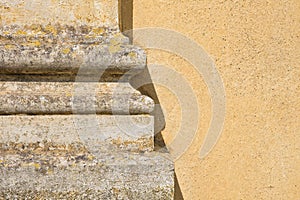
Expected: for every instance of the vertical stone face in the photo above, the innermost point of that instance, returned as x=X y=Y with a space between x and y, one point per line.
x=71 y=125
x=71 y=12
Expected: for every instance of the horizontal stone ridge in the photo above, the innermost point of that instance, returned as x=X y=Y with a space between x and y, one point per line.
x=117 y=175
x=68 y=98
x=33 y=134
x=67 y=50
x=59 y=34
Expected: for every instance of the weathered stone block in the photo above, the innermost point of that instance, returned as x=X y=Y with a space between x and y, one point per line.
x=64 y=134
x=116 y=175
x=68 y=98
x=66 y=50
x=71 y=12
x=41 y=133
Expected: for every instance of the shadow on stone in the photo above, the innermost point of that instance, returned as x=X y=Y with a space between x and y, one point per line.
x=126 y=17
x=144 y=84
x=177 y=192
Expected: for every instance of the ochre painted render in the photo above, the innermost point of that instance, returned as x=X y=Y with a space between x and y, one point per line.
x=255 y=45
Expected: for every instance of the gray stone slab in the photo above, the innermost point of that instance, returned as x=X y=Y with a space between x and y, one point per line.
x=68 y=97
x=42 y=133
x=117 y=176
x=97 y=77
x=63 y=135
x=67 y=50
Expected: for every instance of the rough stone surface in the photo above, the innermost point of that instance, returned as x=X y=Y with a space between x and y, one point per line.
x=24 y=133
x=116 y=175
x=71 y=12
x=67 y=50
x=68 y=98
x=64 y=135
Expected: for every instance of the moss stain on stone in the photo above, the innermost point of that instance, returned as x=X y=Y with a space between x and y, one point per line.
x=132 y=54
x=66 y=51
x=9 y=46
x=21 y=32
x=98 y=31
x=51 y=29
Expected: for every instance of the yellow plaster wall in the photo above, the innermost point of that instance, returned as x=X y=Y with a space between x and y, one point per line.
x=256 y=48
x=71 y=12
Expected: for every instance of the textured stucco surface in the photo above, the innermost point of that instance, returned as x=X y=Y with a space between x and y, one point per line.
x=255 y=45
x=71 y=12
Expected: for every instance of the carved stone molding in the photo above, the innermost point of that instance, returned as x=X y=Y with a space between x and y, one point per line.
x=71 y=125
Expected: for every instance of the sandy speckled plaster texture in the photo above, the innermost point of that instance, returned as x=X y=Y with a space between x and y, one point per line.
x=71 y=12
x=255 y=45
